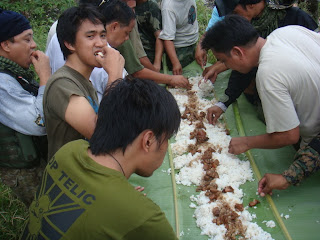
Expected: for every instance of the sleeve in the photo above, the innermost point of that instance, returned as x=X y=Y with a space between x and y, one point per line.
x=136 y=42
x=59 y=94
x=278 y=107
x=238 y=82
x=306 y=162
x=296 y=16
x=132 y=63
x=168 y=25
x=20 y=110
x=156 y=228
x=155 y=18
x=55 y=54
x=214 y=18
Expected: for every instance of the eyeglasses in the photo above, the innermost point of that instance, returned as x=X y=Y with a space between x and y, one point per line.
x=102 y=2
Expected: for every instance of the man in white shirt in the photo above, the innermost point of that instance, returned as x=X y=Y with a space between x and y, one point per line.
x=288 y=82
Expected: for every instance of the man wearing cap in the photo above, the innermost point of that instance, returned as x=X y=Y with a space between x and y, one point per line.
x=265 y=16
x=21 y=115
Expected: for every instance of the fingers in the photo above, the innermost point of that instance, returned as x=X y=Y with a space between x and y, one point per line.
x=177 y=71
x=213 y=114
x=264 y=187
x=199 y=61
x=210 y=115
x=140 y=189
x=215 y=119
x=213 y=78
x=204 y=60
x=261 y=186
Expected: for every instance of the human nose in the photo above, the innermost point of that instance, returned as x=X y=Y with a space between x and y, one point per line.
x=33 y=44
x=101 y=42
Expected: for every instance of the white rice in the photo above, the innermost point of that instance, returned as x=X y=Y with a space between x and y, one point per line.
x=232 y=171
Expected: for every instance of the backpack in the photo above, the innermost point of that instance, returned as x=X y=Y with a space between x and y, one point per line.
x=18 y=150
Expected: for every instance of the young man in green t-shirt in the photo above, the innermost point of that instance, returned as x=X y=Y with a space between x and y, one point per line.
x=70 y=102
x=85 y=193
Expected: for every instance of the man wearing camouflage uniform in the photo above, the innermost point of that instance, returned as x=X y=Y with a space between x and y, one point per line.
x=22 y=132
x=149 y=21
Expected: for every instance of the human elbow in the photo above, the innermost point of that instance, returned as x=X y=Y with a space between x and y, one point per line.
x=293 y=136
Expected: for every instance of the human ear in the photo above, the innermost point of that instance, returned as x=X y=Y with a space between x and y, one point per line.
x=114 y=26
x=236 y=52
x=147 y=140
x=5 y=45
x=69 y=46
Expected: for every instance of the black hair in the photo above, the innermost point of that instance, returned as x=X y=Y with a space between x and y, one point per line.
x=129 y=107
x=233 y=30
x=70 y=21
x=243 y=3
x=112 y=10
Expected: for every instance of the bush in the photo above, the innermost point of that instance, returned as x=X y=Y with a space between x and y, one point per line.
x=41 y=15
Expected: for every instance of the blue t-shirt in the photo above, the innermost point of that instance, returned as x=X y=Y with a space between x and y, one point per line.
x=214 y=18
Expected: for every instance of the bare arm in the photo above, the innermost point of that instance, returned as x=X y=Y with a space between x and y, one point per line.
x=201 y=54
x=175 y=81
x=171 y=51
x=266 y=141
x=81 y=116
x=158 y=51
x=145 y=61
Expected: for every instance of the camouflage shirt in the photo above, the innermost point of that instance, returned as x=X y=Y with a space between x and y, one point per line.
x=306 y=162
x=149 y=20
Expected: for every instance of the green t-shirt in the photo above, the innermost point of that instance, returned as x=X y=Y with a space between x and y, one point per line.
x=62 y=84
x=134 y=36
x=81 y=199
x=149 y=20
x=132 y=62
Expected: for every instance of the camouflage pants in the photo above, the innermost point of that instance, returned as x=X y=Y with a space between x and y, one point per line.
x=185 y=56
x=306 y=162
x=23 y=182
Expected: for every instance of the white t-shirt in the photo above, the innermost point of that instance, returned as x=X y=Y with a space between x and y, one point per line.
x=288 y=81
x=99 y=77
x=179 y=22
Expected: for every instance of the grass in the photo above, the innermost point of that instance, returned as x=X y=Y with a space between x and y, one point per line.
x=12 y=215
x=204 y=15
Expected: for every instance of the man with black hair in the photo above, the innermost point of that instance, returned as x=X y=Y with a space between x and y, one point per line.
x=265 y=16
x=288 y=82
x=120 y=20
x=85 y=193
x=70 y=101
x=23 y=142
x=119 y=24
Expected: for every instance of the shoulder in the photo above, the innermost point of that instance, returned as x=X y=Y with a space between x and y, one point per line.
x=9 y=83
x=296 y=16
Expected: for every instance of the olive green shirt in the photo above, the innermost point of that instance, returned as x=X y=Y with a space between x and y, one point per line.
x=81 y=199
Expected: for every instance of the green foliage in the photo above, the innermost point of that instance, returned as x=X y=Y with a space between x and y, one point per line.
x=204 y=12
x=41 y=14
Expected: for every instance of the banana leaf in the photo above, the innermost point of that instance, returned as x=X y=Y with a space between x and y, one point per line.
x=300 y=203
